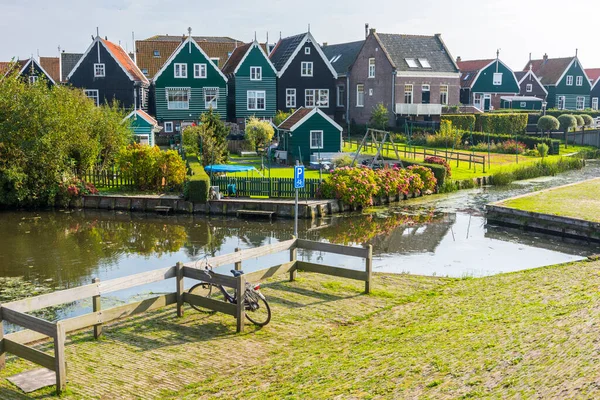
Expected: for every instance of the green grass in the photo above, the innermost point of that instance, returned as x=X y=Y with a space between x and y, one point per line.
x=277 y=171
x=581 y=200
x=530 y=334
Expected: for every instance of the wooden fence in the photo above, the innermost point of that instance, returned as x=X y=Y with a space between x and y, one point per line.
x=274 y=187
x=37 y=329
x=106 y=178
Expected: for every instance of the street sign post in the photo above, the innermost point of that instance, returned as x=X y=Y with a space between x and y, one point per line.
x=298 y=184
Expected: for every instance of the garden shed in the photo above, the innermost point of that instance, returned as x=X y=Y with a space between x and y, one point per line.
x=143 y=126
x=521 y=102
x=309 y=131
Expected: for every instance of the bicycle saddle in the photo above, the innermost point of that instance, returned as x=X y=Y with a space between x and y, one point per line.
x=236 y=273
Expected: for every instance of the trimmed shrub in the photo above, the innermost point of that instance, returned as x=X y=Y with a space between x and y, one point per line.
x=439 y=171
x=501 y=123
x=548 y=123
x=529 y=141
x=440 y=161
x=198 y=184
x=587 y=120
x=557 y=113
x=461 y=121
x=426 y=175
x=579 y=120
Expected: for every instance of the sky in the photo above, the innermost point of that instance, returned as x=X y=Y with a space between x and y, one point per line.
x=476 y=31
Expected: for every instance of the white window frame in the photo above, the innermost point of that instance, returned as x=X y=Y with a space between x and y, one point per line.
x=212 y=103
x=569 y=80
x=93 y=94
x=595 y=103
x=564 y=101
x=497 y=79
x=341 y=94
x=529 y=88
x=179 y=104
x=319 y=140
x=425 y=87
x=169 y=127
x=215 y=60
x=372 y=67
x=360 y=95
x=316 y=95
x=307 y=50
x=33 y=79
x=424 y=63
x=411 y=91
x=290 y=98
x=578 y=101
x=579 y=81
x=256 y=73
x=523 y=104
x=99 y=70
x=442 y=91
x=146 y=137
x=256 y=95
x=411 y=62
x=478 y=100
x=306 y=68
x=200 y=71
x=180 y=70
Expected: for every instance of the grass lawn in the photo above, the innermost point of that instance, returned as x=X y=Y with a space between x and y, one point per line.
x=277 y=171
x=581 y=200
x=530 y=334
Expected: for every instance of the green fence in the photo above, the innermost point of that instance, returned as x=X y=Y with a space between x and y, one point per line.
x=106 y=178
x=275 y=187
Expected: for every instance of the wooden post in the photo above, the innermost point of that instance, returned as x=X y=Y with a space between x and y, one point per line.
x=241 y=312
x=293 y=257
x=97 y=307
x=2 y=356
x=59 y=359
x=369 y=269
x=238 y=265
x=179 y=279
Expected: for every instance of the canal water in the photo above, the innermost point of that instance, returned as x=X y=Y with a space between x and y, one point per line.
x=438 y=236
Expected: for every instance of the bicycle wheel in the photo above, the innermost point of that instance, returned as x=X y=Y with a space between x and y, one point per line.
x=203 y=289
x=257 y=309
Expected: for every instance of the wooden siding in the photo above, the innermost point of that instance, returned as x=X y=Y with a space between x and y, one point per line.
x=485 y=81
x=197 y=105
x=575 y=70
x=140 y=126
x=332 y=138
x=516 y=105
x=243 y=84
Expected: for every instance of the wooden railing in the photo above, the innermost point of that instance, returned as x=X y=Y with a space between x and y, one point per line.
x=274 y=187
x=37 y=329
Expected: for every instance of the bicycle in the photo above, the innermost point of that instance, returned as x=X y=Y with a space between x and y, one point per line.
x=257 y=309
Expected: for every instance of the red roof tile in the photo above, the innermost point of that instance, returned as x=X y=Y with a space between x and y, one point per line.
x=294 y=118
x=235 y=59
x=147 y=116
x=473 y=65
x=593 y=74
x=549 y=70
x=52 y=66
x=126 y=62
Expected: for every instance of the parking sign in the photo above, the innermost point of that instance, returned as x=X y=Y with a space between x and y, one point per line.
x=298 y=176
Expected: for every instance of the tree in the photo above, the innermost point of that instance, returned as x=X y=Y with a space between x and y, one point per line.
x=548 y=123
x=281 y=116
x=587 y=122
x=259 y=133
x=567 y=122
x=579 y=120
x=379 y=116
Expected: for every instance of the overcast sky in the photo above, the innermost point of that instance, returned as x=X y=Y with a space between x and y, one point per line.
x=471 y=31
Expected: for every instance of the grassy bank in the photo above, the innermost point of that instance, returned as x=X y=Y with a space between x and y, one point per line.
x=581 y=200
x=526 y=334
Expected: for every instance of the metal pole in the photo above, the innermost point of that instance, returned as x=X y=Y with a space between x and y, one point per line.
x=296 y=210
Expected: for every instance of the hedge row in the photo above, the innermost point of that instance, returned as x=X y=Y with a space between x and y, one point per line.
x=529 y=141
x=198 y=184
x=461 y=121
x=439 y=171
x=558 y=113
x=501 y=123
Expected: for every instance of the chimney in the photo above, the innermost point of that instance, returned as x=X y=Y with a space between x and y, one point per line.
x=324 y=44
x=366 y=30
x=372 y=31
x=458 y=59
x=545 y=57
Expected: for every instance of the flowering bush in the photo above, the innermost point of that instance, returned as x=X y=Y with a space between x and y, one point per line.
x=428 y=181
x=354 y=186
x=440 y=161
x=390 y=182
x=72 y=187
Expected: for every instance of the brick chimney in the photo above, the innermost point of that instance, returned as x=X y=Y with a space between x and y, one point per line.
x=324 y=44
x=366 y=30
x=458 y=59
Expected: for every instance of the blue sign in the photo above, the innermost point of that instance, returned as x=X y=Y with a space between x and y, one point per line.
x=298 y=176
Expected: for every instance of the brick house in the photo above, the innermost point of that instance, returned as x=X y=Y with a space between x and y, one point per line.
x=414 y=76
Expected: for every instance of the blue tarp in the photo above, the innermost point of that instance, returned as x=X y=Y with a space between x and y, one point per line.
x=229 y=168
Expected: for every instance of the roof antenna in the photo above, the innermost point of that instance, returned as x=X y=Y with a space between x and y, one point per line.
x=497 y=59
x=279 y=35
x=190 y=42
x=97 y=32
x=267 y=40
x=255 y=36
x=134 y=51
x=308 y=28
x=576 y=51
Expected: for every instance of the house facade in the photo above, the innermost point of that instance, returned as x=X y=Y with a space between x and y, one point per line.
x=107 y=74
x=530 y=85
x=252 y=84
x=565 y=80
x=413 y=76
x=306 y=78
x=28 y=70
x=143 y=126
x=484 y=82
x=187 y=85
x=594 y=75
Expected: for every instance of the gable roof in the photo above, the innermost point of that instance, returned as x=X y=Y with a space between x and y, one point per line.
x=522 y=75
x=239 y=56
x=33 y=60
x=399 y=47
x=178 y=50
x=142 y=114
x=469 y=71
x=342 y=56
x=52 y=67
x=303 y=114
x=593 y=74
x=68 y=61
x=550 y=70
x=120 y=57
x=21 y=66
x=286 y=50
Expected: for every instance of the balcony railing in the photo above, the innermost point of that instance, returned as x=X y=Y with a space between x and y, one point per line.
x=418 y=109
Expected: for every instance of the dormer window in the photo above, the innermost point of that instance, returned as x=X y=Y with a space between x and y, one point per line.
x=99 y=71
x=156 y=53
x=180 y=70
x=255 y=73
x=307 y=50
x=424 y=63
x=412 y=63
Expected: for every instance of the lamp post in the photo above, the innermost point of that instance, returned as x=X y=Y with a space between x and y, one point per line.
x=544 y=105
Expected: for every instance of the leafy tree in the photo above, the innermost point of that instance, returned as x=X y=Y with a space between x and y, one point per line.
x=548 y=123
x=281 y=116
x=259 y=133
x=567 y=122
x=379 y=116
x=214 y=134
x=579 y=120
x=587 y=120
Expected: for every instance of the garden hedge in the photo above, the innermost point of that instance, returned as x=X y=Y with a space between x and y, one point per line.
x=439 y=171
x=501 y=123
x=558 y=113
x=529 y=141
x=198 y=183
x=461 y=121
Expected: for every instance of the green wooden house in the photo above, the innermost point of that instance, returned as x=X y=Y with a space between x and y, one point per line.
x=187 y=85
x=565 y=80
x=252 y=81
x=309 y=131
x=484 y=82
x=143 y=126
